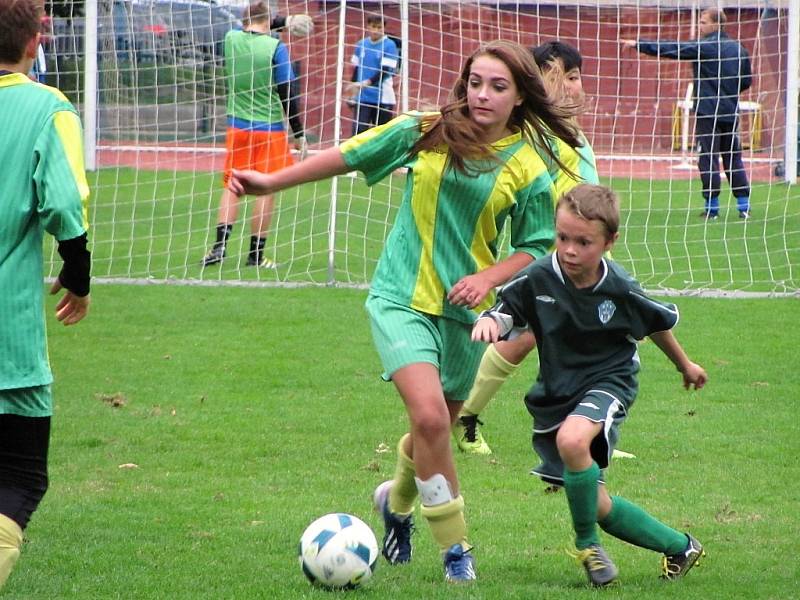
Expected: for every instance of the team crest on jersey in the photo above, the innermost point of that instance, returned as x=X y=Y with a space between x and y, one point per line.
x=605 y=311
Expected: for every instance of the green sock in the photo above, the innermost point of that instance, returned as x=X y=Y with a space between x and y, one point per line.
x=634 y=525
x=581 y=488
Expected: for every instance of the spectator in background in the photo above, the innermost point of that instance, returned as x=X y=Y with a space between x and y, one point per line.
x=721 y=68
x=259 y=75
x=375 y=62
x=38 y=71
x=43 y=188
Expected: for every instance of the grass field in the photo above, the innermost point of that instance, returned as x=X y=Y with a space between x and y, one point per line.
x=250 y=411
x=158 y=225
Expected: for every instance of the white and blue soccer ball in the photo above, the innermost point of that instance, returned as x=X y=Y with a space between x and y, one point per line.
x=338 y=551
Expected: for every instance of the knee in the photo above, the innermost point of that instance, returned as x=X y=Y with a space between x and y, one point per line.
x=431 y=424
x=572 y=446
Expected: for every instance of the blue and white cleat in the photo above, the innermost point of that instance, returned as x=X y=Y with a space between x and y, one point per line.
x=398 y=529
x=459 y=565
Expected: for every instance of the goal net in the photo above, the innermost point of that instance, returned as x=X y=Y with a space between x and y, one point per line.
x=149 y=79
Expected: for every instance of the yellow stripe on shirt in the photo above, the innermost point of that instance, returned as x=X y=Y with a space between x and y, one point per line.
x=68 y=128
x=428 y=290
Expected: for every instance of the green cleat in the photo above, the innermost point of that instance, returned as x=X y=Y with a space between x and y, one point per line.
x=468 y=435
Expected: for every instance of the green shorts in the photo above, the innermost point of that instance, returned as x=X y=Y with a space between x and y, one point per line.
x=404 y=336
x=598 y=405
x=34 y=401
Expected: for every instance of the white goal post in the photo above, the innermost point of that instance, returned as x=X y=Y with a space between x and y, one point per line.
x=148 y=77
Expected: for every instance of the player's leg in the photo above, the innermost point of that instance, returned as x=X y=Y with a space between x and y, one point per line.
x=498 y=363
x=270 y=153
x=384 y=114
x=585 y=442
x=731 y=151
x=367 y=116
x=236 y=157
x=708 y=164
x=24 y=443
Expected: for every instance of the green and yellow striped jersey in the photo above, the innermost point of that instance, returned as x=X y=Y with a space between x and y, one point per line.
x=43 y=188
x=449 y=224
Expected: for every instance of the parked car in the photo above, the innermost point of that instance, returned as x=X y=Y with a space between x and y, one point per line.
x=152 y=30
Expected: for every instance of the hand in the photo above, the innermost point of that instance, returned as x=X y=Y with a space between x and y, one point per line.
x=485 y=329
x=249 y=182
x=301 y=145
x=628 y=44
x=352 y=89
x=470 y=290
x=695 y=375
x=71 y=308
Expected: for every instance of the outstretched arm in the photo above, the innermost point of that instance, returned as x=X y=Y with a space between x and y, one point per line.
x=693 y=374
x=689 y=50
x=323 y=165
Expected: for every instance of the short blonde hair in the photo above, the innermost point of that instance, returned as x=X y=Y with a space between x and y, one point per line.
x=593 y=203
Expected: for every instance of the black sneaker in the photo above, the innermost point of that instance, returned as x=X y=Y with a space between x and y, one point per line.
x=262 y=263
x=599 y=567
x=677 y=565
x=744 y=214
x=709 y=215
x=397 y=539
x=214 y=256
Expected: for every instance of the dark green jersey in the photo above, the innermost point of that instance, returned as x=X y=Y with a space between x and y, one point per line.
x=586 y=338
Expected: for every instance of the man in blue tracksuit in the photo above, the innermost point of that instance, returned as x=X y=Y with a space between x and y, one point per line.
x=721 y=67
x=375 y=62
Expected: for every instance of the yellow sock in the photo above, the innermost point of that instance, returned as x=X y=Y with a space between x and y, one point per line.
x=403 y=494
x=492 y=374
x=10 y=542
x=447 y=523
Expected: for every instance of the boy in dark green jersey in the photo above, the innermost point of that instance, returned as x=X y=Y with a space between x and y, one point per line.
x=587 y=314
x=42 y=189
x=472 y=165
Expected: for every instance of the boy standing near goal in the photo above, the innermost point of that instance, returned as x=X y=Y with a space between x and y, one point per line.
x=374 y=63
x=587 y=314
x=561 y=68
x=259 y=75
x=42 y=188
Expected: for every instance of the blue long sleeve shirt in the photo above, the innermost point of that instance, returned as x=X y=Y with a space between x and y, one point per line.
x=721 y=68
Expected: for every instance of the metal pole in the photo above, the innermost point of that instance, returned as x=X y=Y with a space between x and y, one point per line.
x=792 y=74
x=90 y=86
x=337 y=136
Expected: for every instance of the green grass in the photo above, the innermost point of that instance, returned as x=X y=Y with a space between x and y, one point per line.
x=251 y=411
x=157 y=225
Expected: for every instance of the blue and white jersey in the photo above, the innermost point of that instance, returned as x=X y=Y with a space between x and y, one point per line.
x=376 y=61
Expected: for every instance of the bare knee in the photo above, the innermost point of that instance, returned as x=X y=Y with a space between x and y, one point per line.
x=574 y=449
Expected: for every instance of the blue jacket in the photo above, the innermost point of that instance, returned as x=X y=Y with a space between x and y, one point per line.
x=721 y=69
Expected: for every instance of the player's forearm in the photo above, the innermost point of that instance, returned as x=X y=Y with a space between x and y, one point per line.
x=76 y=272
x=501 y=272
x=322 y=165
x=291 y=107
x=668 y=344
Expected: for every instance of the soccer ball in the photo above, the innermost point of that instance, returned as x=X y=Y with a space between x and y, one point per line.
x=338 y=551
x=300 y=25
